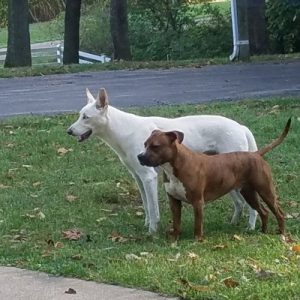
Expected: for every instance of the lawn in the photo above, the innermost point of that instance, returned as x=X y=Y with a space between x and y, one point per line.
x=50 y=184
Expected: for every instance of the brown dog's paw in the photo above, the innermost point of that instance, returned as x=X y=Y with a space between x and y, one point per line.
x=172 y=234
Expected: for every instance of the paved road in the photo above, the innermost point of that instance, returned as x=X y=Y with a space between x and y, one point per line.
x=60 y=93
x=17 y=284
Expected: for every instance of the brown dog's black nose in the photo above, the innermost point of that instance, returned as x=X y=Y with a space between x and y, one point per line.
x=141 y=159
x=70 y=131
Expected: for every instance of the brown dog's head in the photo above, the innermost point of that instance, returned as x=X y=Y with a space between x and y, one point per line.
x=160 y=148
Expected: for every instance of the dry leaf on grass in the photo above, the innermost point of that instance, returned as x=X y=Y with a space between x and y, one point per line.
x=2 y=186
x=294 y=215
x=71 y=198
x=287 y=239
x=63 y=151
x=219 y=246
x=237 y=237
x=116 y=237
x=195 y=287
x=77 y=257
x=296 y=248
x=230 y=282
x=72 y=234
x=132 y=256
x=35 y=184
x=27 y=166
x=176 y=257
x=192 y=256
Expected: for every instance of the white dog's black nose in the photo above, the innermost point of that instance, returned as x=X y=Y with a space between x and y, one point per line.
x=70 y=131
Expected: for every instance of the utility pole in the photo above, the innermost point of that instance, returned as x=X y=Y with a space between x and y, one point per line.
x=239 y=30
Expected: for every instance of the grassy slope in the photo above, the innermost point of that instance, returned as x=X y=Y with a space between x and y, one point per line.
x=35 y=178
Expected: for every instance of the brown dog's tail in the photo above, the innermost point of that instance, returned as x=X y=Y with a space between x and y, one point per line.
x=278 y=141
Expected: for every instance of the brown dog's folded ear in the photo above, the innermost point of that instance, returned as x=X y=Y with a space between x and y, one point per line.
x=175 y=135
x=102 y=99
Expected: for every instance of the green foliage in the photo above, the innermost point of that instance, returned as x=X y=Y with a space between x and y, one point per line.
x=186 y=32
x=284 y=25
x=94 y=28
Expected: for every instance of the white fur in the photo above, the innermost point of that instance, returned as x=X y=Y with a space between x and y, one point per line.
x=126 y=133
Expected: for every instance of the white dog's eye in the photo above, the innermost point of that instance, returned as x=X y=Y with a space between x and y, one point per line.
x=85 y=117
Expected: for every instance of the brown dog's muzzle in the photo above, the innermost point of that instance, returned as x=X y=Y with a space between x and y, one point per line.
x=144 y=161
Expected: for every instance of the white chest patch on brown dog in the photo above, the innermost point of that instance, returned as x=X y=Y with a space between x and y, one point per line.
x=174 y=187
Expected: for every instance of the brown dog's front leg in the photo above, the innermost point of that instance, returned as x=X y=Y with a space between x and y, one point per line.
x=198 y=206
x=175 y=206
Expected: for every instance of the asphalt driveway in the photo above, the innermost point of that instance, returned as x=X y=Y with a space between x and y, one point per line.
x=66 y=92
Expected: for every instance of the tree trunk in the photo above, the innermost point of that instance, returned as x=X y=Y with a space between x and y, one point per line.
x=18 y=43
x=258 y=35
x=119 y=29
x=71 y=36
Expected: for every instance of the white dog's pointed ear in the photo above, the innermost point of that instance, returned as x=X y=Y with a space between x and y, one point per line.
x=102 y=99
x=89 y=96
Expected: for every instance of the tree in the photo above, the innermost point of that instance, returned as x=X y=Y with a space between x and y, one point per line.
x=119 y=29
x=71 y=36
x=18 y=43
x=258 y=35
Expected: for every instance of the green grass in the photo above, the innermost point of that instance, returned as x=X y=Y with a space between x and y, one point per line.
x=39 y=32
x=35 y=180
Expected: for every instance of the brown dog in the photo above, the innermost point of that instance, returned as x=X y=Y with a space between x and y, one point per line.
x=198 y=178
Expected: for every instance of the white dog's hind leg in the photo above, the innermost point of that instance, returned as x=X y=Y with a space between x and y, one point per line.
x=239 y=203
x=252 y=217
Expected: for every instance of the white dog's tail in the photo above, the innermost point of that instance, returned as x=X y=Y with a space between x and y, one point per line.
x=252 y=146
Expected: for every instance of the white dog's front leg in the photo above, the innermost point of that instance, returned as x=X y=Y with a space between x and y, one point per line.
x=150 y=187
x=143 y=196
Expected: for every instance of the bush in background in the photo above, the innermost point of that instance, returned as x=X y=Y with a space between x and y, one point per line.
x=95 y=29
x=188 y=31
x=283 y=17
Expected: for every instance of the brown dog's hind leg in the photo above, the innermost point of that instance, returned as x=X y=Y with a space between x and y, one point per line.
x=251 y=197
x=269 y=196
x=175 y=206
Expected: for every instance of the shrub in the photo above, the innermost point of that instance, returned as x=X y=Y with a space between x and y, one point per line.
x=202 y=31
x=94 y=28
x=283 y=18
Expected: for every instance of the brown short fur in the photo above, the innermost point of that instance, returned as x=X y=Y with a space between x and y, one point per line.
x=206 y=178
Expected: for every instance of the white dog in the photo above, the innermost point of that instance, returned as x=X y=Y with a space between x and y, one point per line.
x=125 y=133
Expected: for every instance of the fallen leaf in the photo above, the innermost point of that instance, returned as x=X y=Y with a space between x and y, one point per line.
x=193 y=256
x=70 y=291
x=219 y=246
x=63 y=151
x=116 y=237
x=72 y=234
x=230 y=282
x=237 y=237
x=176 y=257
x=296 y=248
x=35 y=184
x=58 y=245
x=77 y=257
x=71 y=198
x=101 y=219
x=132 y=256
x=195 y=287
x=27 y=166
x=2 y=186
x=139 y=213
x=40 y=215
x=287 y=239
